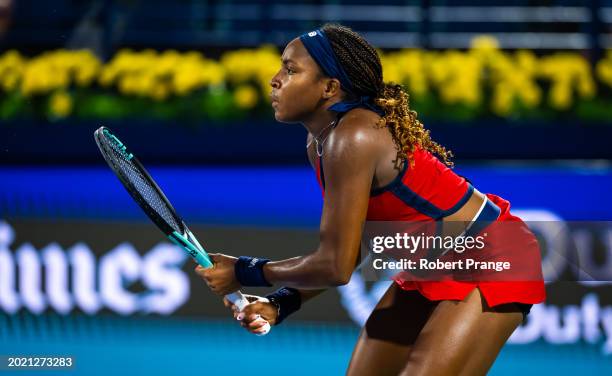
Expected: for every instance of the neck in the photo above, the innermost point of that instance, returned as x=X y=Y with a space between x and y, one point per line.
x=319 y=120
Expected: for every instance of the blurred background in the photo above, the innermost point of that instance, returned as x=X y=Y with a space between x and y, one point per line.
x=520 y=90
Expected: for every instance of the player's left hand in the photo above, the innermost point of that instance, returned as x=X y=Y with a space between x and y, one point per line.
x=221 y=278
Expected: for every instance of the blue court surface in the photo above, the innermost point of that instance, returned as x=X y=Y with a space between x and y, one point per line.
x=163 y=346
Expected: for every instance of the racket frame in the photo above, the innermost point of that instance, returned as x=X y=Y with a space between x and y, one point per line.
x=186 y=239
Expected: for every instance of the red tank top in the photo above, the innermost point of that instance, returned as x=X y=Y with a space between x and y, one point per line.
x=429 y=190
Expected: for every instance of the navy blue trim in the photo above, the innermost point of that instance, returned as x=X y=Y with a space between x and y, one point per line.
x=409 y=197
x=439 y=227
x=412 y=199
x=461 y=202
x=321 y=175
x=363 y=102
x=376 y=191
x=490 y=212
x=395 y=182
x=488 y=215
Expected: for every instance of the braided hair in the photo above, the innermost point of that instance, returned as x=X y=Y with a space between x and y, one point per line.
x=362 y=64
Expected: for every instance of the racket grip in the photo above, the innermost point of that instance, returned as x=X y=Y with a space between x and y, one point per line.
x=240 y=302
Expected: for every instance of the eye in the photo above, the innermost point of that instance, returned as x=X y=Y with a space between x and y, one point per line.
x=290 y=71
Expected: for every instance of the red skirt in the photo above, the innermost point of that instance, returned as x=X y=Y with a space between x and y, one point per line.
x=495 y=292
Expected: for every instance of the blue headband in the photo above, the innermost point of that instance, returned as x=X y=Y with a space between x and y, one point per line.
x=321 y=51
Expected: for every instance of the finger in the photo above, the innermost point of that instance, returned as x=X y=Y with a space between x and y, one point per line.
x=252 y=309
x=203 y=272
x=259 y=331
x=257 y=324
x=252 y=318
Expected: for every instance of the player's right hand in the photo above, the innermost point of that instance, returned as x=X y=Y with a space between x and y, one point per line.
x=253 y=315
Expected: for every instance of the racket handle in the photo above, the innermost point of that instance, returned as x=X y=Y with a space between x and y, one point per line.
x=189 y=243
x=240 y=301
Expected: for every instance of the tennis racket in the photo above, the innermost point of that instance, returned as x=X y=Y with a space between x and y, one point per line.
x=154 y=203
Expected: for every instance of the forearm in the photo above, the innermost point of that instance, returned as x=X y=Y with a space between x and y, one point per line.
x=307 y=272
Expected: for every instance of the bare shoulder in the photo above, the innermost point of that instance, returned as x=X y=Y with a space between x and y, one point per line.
x=357 y=134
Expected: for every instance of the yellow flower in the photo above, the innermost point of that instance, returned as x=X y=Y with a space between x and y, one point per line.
x=60 y=104
x=9 y=81
x=484 y=42
x=484 y=48
x=604 y=68
x=531 y=95
x=245 y=65
x=561 y=96
x=127 y=85
x=245 y=97
x=456 y=77
x=391 y=69
x=213 y=73
x=167 y=62
x=502 y=100
x=160 y=92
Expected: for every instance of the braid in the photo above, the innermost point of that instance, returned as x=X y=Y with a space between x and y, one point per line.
x=363 y=67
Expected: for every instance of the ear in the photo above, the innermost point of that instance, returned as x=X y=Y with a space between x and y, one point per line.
x=332 y=87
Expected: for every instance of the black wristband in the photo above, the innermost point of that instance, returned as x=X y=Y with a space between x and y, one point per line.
x=287 y=299
x=249 y=271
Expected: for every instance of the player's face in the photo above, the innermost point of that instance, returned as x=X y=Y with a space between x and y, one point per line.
x=298 y=86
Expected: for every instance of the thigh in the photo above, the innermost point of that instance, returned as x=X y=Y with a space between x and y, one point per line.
x=386 y=339
x=462 y=338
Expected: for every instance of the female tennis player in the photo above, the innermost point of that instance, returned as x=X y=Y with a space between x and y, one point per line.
x=375 y=161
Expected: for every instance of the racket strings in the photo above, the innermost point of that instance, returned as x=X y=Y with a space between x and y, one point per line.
x=141 y=184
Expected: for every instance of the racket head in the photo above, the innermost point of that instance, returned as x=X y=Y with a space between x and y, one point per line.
x=149 y=196
x=139 y=183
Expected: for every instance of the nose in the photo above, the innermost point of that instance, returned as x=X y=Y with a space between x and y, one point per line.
x=274 y=82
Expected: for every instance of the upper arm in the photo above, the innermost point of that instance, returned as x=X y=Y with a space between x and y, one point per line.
x=349 y=164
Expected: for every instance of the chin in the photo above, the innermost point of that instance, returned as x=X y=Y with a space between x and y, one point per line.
x=282 y=119
x=286 y=121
